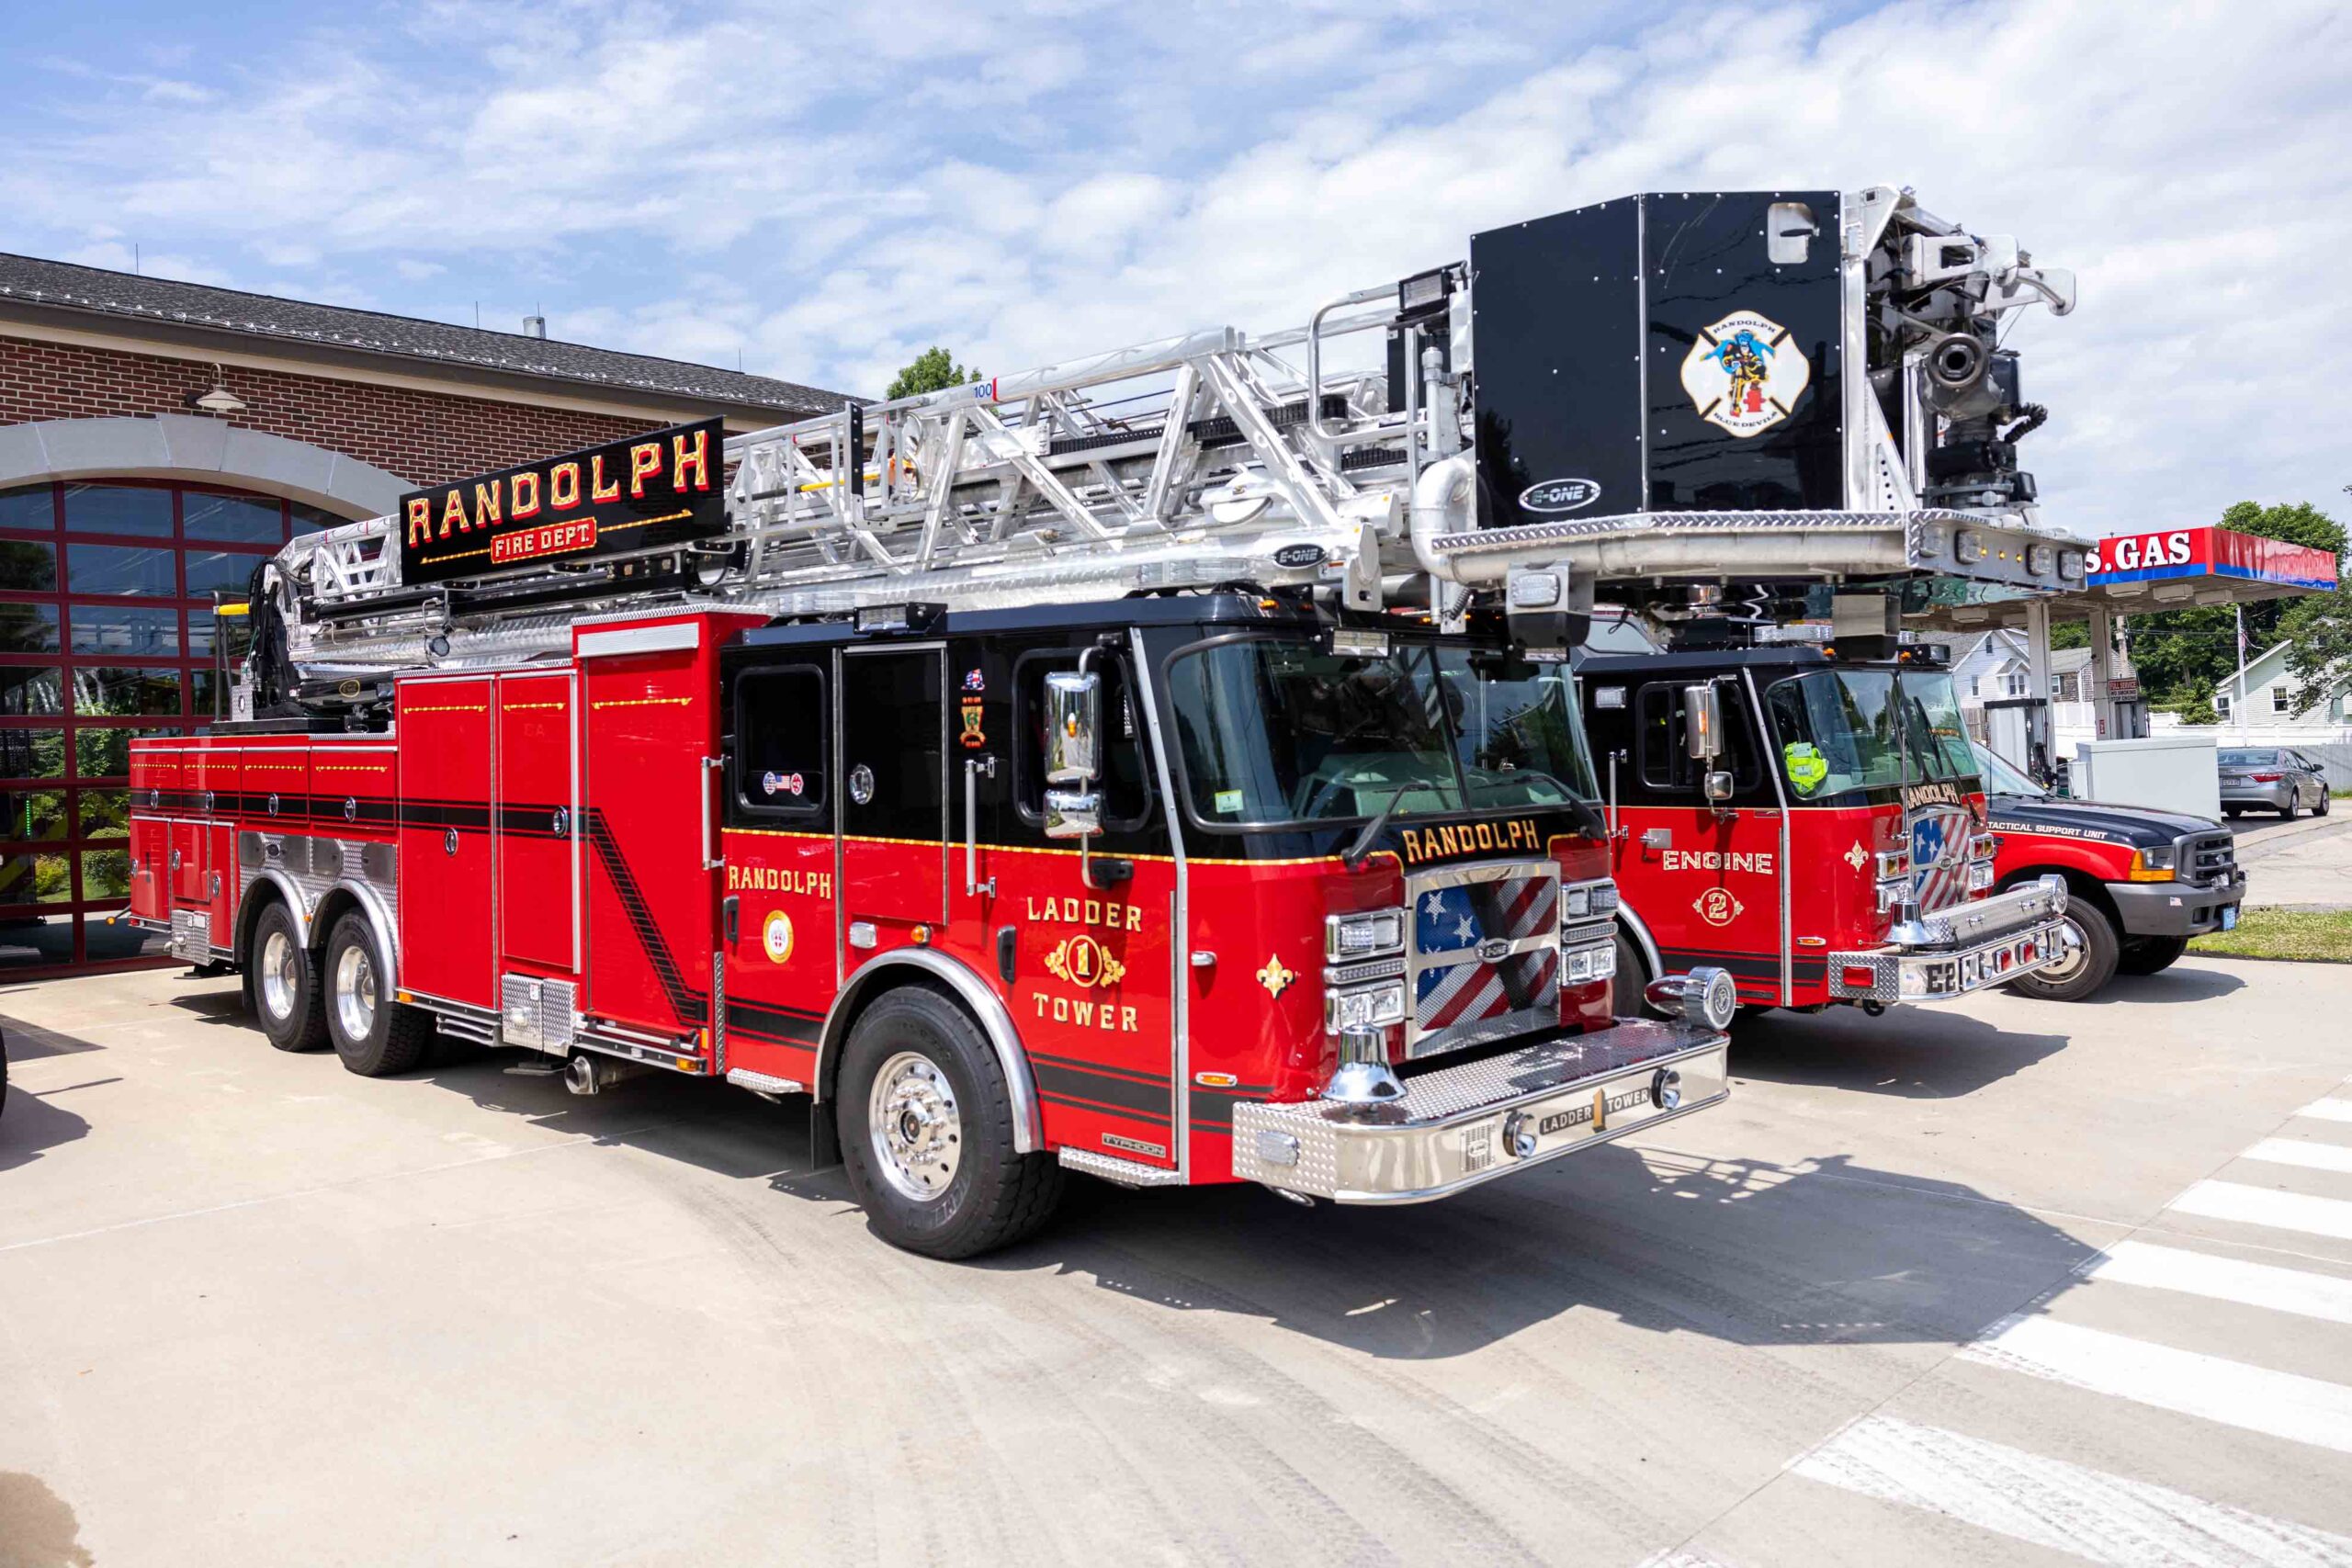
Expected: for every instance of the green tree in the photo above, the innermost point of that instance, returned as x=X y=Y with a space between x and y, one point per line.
x=929 y=371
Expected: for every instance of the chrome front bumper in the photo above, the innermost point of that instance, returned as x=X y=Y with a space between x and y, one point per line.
x=1936 y=975
x=1458 y=1126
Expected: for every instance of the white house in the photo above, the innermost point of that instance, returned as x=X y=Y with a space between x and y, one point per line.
x=2267 y=699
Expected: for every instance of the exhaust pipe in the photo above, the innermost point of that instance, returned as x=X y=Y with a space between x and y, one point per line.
x=585 y=1074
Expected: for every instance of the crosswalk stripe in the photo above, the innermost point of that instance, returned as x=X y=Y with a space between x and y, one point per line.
x=2284 y=1405
x=2050 y=1503
x=2226 y=1279
x=2303 y=1152
x=2261 y=1206
x=2328 y=1109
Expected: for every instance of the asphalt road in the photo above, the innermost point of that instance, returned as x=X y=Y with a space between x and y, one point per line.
x=2005 y=1283
x=2302 y=865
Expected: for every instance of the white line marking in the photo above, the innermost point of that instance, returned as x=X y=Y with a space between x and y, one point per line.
x=2302 y=1409
x=2226 y=1279
x=2261 y=1206
x=2304 y=1152
x=2066 y=1508
x=2328 y=1109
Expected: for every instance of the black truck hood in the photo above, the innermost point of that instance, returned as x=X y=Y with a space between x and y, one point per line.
x=2135 y=825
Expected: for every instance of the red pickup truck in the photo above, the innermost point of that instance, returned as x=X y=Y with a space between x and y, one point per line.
x=2140 y=884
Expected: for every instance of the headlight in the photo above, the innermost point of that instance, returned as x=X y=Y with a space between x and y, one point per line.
x=1583 y=964
x=1578 y=902
x=1363 y=936
x=1366 y=1007
x=1984 y=846
x=1604 y=897
x=2057 y=886
x=1893 y=863
x=1980 y=877
x=2158 y=864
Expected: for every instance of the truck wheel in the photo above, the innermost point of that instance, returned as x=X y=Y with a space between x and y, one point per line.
x=2149 y=954
x=926 y=1132
x=286 y=984
x=374 y=1035
x=2085 y=970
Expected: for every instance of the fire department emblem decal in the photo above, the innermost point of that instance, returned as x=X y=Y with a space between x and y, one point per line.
x=1082 y=961
x=775 y=936
x=1717 y=907
x=1745 y=374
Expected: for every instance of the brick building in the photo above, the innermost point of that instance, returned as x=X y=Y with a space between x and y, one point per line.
x=156 y=440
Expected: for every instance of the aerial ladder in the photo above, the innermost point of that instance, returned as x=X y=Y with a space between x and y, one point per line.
x=1704 y=406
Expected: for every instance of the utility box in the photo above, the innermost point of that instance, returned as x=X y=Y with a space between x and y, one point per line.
x=2165 y=772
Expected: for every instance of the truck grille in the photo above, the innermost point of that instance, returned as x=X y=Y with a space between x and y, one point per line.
x=2209 y=857
x=1485 y=958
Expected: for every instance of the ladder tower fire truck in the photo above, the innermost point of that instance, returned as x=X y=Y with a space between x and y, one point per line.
x=1164 y=766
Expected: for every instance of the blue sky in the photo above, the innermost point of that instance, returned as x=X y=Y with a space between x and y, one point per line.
x=823 y=192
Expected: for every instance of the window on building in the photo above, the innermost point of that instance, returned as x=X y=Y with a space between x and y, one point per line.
x=106 y=633
x=2222 y=703
x=2282 y=699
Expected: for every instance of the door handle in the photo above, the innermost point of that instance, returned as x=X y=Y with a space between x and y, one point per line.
x=727 y=911
x=975 y=770
x=711 y=859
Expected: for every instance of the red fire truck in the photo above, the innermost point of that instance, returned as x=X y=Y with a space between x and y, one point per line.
x=1814 y=823
x=1163 y=766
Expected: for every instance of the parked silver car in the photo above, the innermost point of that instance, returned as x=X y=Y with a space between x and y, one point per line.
x=2273 y=778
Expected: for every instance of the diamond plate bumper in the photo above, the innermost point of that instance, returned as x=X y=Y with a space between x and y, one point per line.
x=1458 y=1126
x=1897 y=974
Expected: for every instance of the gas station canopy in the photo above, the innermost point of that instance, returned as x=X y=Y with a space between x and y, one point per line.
x=2138 y=574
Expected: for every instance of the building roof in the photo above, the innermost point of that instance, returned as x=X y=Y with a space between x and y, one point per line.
x=32 y=280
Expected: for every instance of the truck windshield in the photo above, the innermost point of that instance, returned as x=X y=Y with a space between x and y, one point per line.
x=1847 y=730
x=2003 y=778
x=1274 y=730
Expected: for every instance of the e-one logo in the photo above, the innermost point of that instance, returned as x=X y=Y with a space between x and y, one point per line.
x=1559 y=495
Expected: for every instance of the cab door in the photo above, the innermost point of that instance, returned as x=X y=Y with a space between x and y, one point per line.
x=893 y=708
x=1708 y=873
x=778 y=925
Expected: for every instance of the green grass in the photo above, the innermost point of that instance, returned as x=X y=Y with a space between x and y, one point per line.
x=2315 y=936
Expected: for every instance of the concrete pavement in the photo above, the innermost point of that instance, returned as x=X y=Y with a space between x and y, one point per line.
x=2005 y=1282
x=2302 y=865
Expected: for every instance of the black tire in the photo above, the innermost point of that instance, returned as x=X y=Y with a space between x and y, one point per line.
x=2294 y=807
x=2091 y=965
x=987 y=1195
x=282 y=983
x=2321 y=809
x=374 y=1035
x=2149 y=954
x=2232 y=812
x=1632 y=978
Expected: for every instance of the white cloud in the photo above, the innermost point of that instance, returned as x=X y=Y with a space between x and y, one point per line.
x=1040 y=180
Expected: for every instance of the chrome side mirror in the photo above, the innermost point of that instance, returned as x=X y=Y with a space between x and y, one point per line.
x=1073 y=726
x=1073 y=813
x=1703 y=722
x=1717 y=784
x=1073 y=753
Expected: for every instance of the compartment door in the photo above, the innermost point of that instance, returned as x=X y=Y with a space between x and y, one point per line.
x=539 y=811
x=651 y=835
x=448 y=936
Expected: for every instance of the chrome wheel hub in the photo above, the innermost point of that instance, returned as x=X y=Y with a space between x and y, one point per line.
x=355 y=993
x=917 y=1133
x=281 y=975
x=2070 y=962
